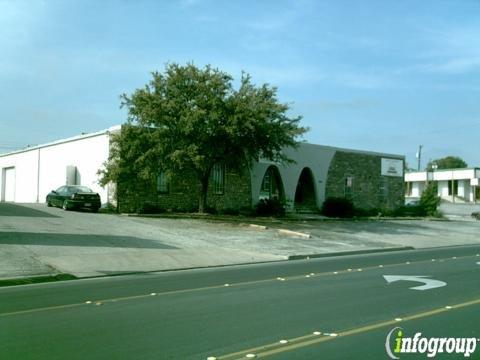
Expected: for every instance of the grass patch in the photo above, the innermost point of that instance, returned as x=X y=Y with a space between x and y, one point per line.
x=37 y=279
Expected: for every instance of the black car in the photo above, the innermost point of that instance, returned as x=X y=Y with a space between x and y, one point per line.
x=74 y=197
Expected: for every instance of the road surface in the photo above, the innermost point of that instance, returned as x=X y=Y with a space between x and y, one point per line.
x=331 y=308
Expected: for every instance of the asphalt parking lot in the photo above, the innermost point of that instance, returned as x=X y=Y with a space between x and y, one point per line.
x=36 y=240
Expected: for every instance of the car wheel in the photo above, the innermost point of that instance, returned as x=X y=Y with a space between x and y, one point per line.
x=65 y=205
x=95 y=210
x=49 y=204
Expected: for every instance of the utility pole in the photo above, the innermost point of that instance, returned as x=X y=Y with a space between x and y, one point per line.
x=419 y=157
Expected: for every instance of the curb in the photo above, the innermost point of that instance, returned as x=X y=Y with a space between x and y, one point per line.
x=294 y=233
x=345 y=253
x=257 y=227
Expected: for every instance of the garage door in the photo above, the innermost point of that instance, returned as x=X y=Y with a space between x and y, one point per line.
x=8 y=188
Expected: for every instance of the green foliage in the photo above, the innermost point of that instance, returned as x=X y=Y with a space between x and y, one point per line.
x=128 y=166
x=189 y=118
x=430 y=199
x=338 y=207
x=150 y=208
x=410 y=210
x=270 y=207
x=449 y=162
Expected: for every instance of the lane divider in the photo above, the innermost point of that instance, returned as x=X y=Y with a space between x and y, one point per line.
x=313 y=339
x=206 y=288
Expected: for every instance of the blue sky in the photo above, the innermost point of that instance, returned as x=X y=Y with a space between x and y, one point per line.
x=381 y=75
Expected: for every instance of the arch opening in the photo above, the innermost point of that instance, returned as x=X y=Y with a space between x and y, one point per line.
x=305 y=199
x=272 y=187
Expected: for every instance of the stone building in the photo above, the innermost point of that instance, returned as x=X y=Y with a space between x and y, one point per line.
x=371 y=180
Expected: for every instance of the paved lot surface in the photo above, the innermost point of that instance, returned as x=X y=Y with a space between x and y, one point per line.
x=459 y=211
x=36 y=240
x=193 y=315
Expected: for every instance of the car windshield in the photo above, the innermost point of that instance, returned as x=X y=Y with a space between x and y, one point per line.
x=74 y=189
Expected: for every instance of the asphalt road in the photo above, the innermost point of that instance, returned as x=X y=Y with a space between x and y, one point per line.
x=230 y=312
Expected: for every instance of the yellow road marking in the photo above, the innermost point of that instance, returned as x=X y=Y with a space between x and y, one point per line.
x=205 y=288
x=303 y=341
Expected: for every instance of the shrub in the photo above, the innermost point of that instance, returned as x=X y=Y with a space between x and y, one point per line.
x=150 y=208
x=410 y=210
x=270 y=207
x=338 y=207
x=430 y=200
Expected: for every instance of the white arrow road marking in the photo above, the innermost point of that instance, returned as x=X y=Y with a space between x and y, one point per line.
x=428 y=283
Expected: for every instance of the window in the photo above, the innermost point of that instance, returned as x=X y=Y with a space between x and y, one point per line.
x=348 y=187
x=267 y=182
x=218 y=175
x=162 y=183
x=408 y=188
x=453 y=185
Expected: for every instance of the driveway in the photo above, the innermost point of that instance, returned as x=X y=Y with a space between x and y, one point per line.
x=36 y=240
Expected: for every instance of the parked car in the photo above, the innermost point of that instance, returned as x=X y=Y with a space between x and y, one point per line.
x=412 y=202
x=74 y=197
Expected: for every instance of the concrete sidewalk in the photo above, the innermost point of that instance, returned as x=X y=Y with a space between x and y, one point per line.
x=36 y=240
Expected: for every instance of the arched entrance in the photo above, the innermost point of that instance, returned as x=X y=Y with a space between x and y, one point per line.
x=272 y=187
x=305 y=199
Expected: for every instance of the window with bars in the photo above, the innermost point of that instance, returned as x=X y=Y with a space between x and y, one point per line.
x=218 y=179
x=348 y=187
x=162 y=183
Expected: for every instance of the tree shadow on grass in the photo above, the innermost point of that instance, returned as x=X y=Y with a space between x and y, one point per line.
x=8 y=209
x=87 y=240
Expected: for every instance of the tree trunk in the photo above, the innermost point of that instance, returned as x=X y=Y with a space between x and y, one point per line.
x=202 y=201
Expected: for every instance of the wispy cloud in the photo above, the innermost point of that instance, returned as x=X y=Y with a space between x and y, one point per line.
x=454 y=50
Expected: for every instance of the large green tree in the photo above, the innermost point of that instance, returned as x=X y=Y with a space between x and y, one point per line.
x=193 y=118
x=449 y=162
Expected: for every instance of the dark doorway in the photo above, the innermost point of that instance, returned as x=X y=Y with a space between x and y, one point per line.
x=305 y=192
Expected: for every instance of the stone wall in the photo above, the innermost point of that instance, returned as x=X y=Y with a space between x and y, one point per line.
x=183 y=194
x=369 y=190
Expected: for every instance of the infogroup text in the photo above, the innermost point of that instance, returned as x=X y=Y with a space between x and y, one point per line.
x=429 y=346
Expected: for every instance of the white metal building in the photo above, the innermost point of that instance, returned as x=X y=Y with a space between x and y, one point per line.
x=28 y=175
x=454 y=185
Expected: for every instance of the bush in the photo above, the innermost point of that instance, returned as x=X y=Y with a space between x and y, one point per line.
x=150 y=208
x=338 y=207
x=270 y=207
x=410 y=210
x=430 y=200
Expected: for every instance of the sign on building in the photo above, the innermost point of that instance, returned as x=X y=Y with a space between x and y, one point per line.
x=392 y=167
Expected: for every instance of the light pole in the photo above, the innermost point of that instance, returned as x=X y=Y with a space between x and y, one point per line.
x=434 y=167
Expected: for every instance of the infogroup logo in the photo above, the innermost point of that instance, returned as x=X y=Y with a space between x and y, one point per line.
x=397 y=343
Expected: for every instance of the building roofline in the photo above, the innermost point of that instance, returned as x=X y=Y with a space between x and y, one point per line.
x=366 y=152
x=441 y=170
x=118 y=127
x=63 y=141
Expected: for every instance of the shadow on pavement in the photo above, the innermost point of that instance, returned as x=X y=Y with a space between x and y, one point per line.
x=87 y=240
x=380 y=227
x=7 y=209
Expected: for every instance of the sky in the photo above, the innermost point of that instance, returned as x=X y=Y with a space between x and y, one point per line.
x=378 y=75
